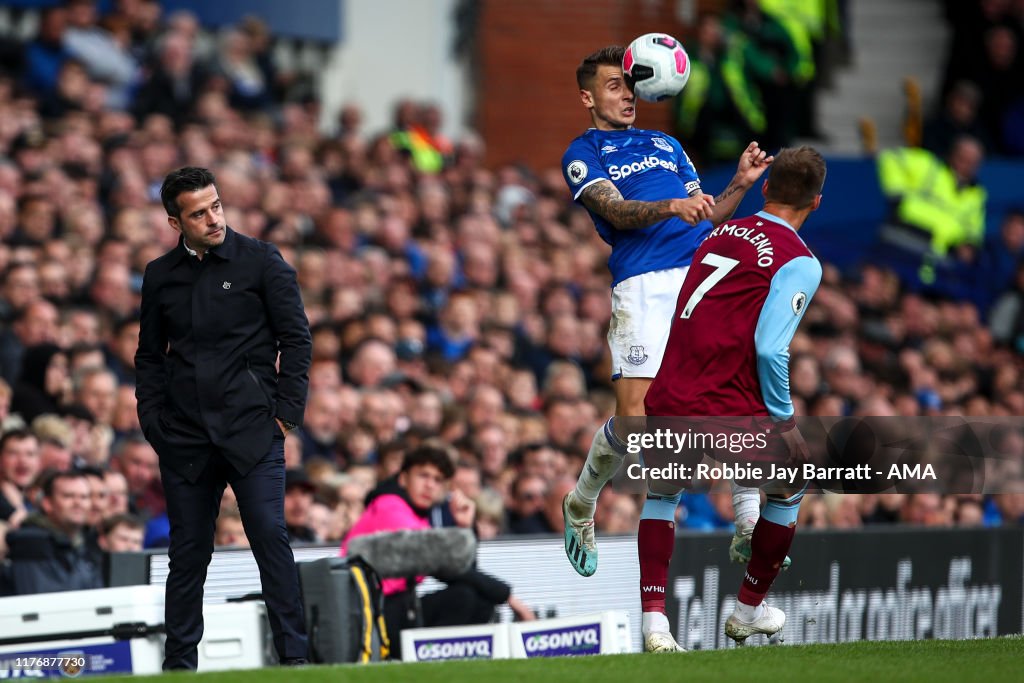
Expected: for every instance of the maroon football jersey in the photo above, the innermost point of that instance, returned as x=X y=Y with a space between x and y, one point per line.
x=710 y=366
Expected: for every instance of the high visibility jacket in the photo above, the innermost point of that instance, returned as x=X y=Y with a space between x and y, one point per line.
x=930 y=198
x=425 y=156
x=727 y=78
x=813 y=15
x=804 y=21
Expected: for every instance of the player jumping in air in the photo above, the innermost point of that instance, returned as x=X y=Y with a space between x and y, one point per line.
x=645 y=199
x=728 y=355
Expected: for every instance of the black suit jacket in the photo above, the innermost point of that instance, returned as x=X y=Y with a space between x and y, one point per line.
x=210 y=334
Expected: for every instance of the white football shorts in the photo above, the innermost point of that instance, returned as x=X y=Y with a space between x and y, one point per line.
x=643 y=308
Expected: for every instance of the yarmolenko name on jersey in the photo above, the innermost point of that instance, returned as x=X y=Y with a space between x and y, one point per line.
x=626 y=170
x=761 y=241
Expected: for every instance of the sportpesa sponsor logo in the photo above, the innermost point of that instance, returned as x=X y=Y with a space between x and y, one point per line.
x=645 y=164
x=574 y=640
x=454 y=648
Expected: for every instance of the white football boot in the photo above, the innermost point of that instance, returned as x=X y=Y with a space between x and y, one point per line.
x=770 y=623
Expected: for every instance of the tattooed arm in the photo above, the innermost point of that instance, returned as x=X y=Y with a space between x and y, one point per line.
x=604 y=199
x=727 y=202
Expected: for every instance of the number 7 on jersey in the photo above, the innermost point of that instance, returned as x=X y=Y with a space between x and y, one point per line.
x=722 y=265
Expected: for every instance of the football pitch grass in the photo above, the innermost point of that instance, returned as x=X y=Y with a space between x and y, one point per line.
x=929 y=661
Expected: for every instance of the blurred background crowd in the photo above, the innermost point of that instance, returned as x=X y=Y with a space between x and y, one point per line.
x=449 y=301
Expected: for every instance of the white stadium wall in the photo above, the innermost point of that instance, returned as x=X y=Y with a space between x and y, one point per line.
x=390 y=50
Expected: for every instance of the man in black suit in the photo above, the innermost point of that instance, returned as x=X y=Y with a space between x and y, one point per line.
x=217 y=311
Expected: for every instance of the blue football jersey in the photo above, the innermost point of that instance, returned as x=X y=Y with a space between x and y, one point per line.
x=645 y=165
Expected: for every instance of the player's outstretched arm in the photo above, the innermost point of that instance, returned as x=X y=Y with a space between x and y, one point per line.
x=752 y=165
x=604 y=199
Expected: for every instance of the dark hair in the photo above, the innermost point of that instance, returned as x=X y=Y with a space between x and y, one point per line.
x=129 y=520
x=48 y=479
x=186 y=179
x=606 y=56
x=429 y=455
x=796 y=177
x=15 y=434
x=123 y=323
x=90 y=471
x=82 y=348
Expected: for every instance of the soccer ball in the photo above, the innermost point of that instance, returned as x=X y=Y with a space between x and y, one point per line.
x=657 y=66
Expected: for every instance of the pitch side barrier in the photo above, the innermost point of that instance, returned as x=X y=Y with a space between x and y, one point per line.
x=889 y=583
x=875 y=583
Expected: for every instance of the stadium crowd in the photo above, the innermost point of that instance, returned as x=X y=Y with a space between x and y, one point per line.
x=983 y=72
x=448 y=302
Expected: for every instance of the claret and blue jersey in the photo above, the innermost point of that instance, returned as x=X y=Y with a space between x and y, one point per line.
x=644 y=165
x=741 y=303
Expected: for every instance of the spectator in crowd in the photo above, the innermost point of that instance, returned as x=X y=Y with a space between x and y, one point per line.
x=1006 y=319
x=97 y=497
x=121 y=533
x=230 y=530
x=45 y=55
x=298 y=501
x=104 y=49
x=985 y=51
x=32 y=325
x=54 y=549
x=19 y=467
x=55 y=438
x=175 y=83
x=617 y=513
x=925 y=509
x=490 y=522
x=96 y=389
x=247 y=84
x=526 y=507
x=322 y=425
x=117 y=492
x=957 y=118
x=998 y=259
x=938 y=206
x=372 y=360
x=20 y=286
x=120 y=352
x=44 y=385
x=137 y=461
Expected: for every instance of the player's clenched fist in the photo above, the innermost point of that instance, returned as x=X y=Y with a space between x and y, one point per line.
x=693 y=210
x=753 y=163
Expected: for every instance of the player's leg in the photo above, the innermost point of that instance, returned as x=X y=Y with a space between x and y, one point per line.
x=746 y=509
x=607 y=449
x=769 y=545
x=746 y=506
x=655 y=542
x=642 y=311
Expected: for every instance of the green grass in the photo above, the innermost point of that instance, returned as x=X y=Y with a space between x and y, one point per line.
x=930 y=661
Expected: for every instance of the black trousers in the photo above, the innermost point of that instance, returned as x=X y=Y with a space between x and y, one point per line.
x=192 y=511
